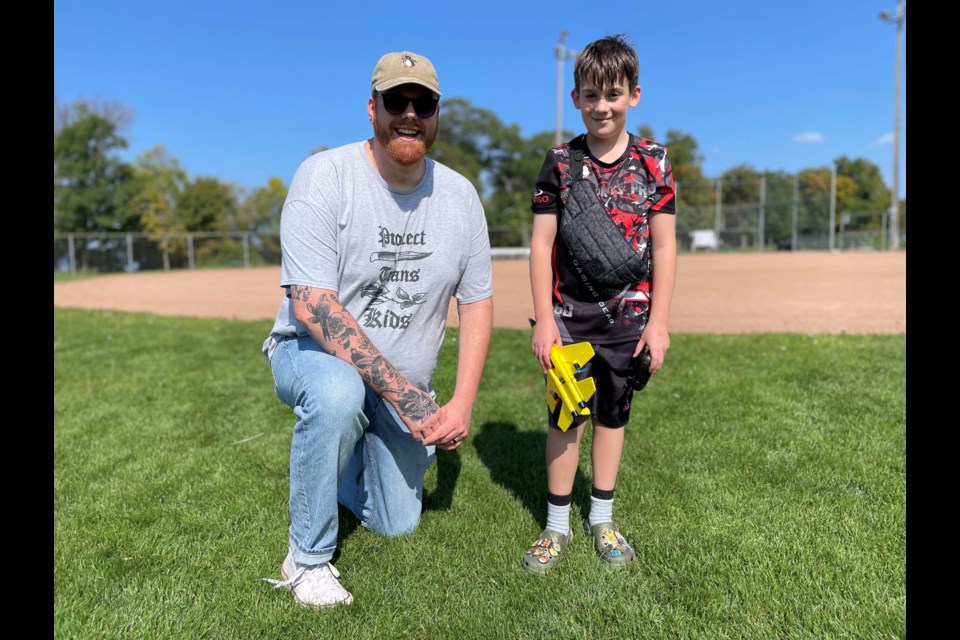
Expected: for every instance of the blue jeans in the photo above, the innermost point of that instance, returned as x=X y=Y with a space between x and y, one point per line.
x=349 y=446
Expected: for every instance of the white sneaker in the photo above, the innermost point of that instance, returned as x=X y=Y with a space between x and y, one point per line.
x=316 y=586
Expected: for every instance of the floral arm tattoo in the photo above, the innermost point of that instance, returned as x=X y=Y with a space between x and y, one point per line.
x=298 y=292
x=342 y=336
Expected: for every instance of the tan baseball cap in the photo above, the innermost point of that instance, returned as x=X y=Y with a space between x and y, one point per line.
x=405 y=67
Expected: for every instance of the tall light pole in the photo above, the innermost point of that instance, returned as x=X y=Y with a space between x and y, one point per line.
x=562 y=54
x=894 y=223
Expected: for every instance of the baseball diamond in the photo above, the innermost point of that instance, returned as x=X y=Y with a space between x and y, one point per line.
x=722 y=293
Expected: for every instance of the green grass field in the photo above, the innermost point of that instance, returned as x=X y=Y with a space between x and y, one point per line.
x=763 y=486
x=80 y=275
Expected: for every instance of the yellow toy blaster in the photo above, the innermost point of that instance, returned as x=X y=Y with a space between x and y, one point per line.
x=562 y=385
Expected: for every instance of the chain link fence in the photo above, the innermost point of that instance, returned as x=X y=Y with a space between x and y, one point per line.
x=776 y=213
x=116 y=252
x=718 y=216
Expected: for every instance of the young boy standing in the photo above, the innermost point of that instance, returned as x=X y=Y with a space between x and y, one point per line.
x=633 y=180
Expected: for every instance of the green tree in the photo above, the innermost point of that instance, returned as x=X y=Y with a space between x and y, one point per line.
x=92 y=188
x=260 y=212
x=513 y=176
x=695 y=193
x=206 y=204
x=66 y=114
x=497 y=159
x=814 y=203
x=778 y=207
x=467 y=139
x=863 y=191
x=161 y=180
x=741 y=205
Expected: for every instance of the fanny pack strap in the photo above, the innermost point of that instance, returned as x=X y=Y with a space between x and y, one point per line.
x=576 y=158
x=592 y=237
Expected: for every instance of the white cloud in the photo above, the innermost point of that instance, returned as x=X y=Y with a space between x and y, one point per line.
x=808 y=136
x=884 y=140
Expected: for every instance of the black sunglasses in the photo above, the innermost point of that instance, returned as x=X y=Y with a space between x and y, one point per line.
x=395 y=104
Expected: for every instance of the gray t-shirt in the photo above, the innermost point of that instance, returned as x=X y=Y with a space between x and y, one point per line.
x=394 y=257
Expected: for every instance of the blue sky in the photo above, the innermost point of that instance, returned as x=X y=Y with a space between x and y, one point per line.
x=242 y=91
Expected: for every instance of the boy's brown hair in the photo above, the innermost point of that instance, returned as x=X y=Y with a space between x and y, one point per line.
x=607 y=61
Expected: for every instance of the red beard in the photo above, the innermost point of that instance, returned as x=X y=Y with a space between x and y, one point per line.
x=404 y=152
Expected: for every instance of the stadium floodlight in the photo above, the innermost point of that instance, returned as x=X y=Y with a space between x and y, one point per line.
x=894 y=222
x=562 y=54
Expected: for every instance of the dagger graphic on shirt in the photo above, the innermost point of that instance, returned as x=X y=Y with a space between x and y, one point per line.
x=394 y=256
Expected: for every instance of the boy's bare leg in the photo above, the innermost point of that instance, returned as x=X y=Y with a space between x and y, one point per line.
x=605 y=454
x=563 y=455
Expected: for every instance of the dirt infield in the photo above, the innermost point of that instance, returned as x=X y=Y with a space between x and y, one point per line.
x=804 y=292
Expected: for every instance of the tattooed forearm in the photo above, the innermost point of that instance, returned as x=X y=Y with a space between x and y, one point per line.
x=416 y=404
x=300 y=292
x=334 y=324
x=339 y=334
x=376 y=371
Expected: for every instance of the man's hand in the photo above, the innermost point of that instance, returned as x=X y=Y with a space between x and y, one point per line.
x=452 y=425
x=476 y=320
x=418 y=411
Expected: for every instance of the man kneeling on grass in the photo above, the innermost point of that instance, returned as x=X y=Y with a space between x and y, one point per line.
x=353 y=352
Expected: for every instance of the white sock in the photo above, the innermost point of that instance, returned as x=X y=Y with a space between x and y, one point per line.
x=600 y=511
x=558 y=518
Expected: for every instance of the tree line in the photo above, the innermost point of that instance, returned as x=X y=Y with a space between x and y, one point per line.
x=95 y=191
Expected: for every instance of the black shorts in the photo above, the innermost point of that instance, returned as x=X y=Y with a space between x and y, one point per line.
x=610 y=368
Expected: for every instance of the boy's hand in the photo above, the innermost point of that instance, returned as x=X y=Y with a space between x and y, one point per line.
x=545 y=335
x=656 y=337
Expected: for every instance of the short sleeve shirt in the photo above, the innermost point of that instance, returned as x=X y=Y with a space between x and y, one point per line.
x=395 y=258
x=636 y=186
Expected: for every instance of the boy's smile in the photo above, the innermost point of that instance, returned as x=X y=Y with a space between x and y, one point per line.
x=604 y=112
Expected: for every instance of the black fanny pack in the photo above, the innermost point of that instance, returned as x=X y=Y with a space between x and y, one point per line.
x=593 y=238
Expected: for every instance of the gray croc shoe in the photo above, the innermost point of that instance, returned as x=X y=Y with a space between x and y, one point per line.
x=610 y=544
x=544 y=554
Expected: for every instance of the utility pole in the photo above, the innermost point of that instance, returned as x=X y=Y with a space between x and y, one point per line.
x=833 y=205
x=562 y=54
x=794 y=212
x=894 y=217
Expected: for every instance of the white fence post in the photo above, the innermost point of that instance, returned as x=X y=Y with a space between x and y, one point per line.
x=796 y=209
x=129 y=252
x=73 y=256
x=717 y=222
x=763 y=213
x=833 y=204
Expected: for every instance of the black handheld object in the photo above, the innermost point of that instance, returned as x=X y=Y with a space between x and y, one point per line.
x=641 y=370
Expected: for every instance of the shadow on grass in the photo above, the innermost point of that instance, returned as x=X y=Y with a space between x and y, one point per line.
x=448 y=471
x=440 y=499
x=347 y=523
x=517 y=462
